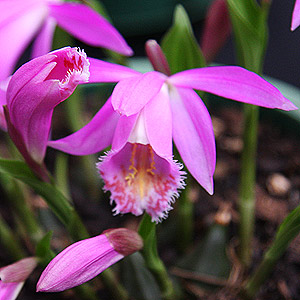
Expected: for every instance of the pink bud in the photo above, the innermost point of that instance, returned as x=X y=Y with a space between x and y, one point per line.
x=217 y=28
x=85 y=259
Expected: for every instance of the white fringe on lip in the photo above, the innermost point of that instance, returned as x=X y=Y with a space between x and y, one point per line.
x=155 y=204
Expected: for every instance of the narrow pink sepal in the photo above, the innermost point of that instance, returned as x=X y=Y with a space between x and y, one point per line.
x=132 y=94
x=12 y=277
x=158 y=123
x=18 y=271
x=10 y=290
x=77 y=264
x=296 y=16
x=43 y=42
x=93 y=137
x=88 y=26
x=102 y=71
x=235 y=83
x=20 y=20
x=193 y=135
x=3 y=89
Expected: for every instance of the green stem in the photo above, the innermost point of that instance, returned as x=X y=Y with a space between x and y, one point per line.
x=247 y=184
x=184 y=220
x=73 y=112
x=9 y=241
x=147 y=231
x=249 y=20
x=16 y=195
x=61 y=174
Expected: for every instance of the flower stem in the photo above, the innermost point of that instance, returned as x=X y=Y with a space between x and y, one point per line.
x=247 y=184
x=147 y=231
x=73 y=112
x=248 y=17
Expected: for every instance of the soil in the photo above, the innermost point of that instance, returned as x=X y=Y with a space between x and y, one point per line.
x=277 y=193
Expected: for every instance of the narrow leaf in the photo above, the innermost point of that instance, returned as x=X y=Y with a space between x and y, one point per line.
x=180 y=45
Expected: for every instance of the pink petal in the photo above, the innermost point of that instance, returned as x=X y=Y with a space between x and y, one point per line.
x=132 y=94
x=10 y=291
x=234 y=83
x=3 y=89
x=296 y=16
x=43 y=41
x=20 y=20
x=193 y=135
x=139 y=180
x=33 y=120
x=102 y=71
x=93 y=137
x=88 y=26
x=123 y=131
x=158 y=121
x=18 y=271
x=77 y=264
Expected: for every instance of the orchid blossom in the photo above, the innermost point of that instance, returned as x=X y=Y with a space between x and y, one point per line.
x=296 y=16
x=27 y=19
x=85 y=259
x=33 y=92
x=12 y=277
x=140 y=119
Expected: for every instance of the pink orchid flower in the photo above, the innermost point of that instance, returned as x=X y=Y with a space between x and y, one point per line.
x=140 y=119
x=33 y=92
x=296 y=16
x=12 y=277
x=85 y=259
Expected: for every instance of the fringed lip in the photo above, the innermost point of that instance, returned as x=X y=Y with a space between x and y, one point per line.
x=141 y=181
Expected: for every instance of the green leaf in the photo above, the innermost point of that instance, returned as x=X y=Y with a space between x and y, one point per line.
x=54 y=198
x=287 y=231
x=138 y=280
x=250 y=28
x=180 y=45
x=43 y=250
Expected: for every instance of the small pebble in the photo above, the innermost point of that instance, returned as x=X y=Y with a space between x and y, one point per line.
x=278 y=185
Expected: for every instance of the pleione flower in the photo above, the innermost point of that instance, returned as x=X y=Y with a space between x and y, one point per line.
x=25 y=20
x=33 y=92
x=12 y=277
x=85 y=259
x=296 y=16
x=153 y=109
